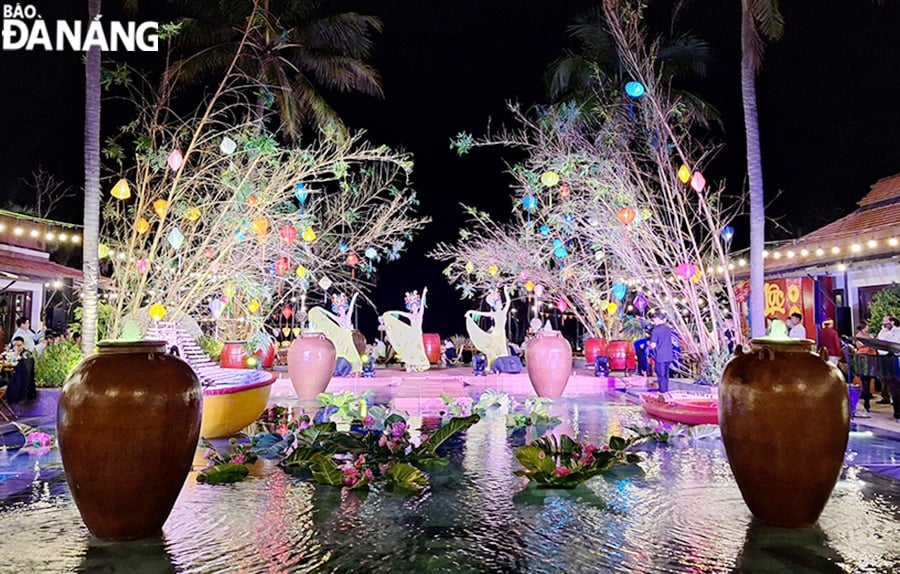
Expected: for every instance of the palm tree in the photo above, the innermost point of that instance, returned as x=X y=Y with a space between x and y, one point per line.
x=293 y=53
x=90 y=259
x=760 y=19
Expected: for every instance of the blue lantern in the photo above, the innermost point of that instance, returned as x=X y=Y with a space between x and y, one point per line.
x=560 y=252
x=557 y=243
x=342 y=247
x=619 y=290
x=727 y=233
x=634 y=89
x=301 y=193
x=529 y=202
x=545 y=231
x=569 y=218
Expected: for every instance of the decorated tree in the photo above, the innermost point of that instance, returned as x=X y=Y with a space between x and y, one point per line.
x=610 y=199
x=216 y=216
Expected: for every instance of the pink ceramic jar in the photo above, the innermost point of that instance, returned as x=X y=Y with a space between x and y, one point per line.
x=548 y=358
x=311 y=359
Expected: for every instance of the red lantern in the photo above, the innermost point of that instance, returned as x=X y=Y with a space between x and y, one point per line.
x=287 y=312
x=626 y=215
x=209 y=253
x=564 y=191
x=352 y=259
x=252 y=201
x=281 y=266
x=288 y=233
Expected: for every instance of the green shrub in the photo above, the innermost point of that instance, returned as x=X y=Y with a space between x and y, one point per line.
x=56 y=362
x=885 y=302
x=211 y=347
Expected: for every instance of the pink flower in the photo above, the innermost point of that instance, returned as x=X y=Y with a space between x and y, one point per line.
x=360 y=461
x=397 y=429
x=606 y=447
x=369 y=422
x=209 y=453
x=542 y=455
x=238 y=459
x=369 y=475
x=562 y=471
x=382 y=441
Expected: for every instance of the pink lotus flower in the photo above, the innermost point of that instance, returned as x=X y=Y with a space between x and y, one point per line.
x=562 y=471
x=238 y=459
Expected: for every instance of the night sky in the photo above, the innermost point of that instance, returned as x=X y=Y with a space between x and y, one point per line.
x=827 y=97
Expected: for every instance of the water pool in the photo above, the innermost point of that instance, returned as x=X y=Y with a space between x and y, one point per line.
x=680 y=511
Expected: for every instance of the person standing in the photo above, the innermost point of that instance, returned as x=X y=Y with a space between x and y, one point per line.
x=23 y=329
x=830 y=339
x=795 y=324
x=890 y=332
x=661 y=343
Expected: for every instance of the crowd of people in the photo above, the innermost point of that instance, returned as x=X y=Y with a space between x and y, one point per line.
x=25 y=348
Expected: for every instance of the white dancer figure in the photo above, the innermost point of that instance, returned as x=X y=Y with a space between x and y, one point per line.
x=407 y=338
x=338 y=327
x=493 y=341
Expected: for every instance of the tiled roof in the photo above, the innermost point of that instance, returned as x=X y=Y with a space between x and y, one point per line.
x=862 y=221
x=883 y=190
x=30 y=267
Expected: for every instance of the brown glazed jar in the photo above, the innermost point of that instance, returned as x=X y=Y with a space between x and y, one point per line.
x=128 y=422
x=785 y=419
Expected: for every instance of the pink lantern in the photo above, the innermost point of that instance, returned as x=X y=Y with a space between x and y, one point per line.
x=281 y=266
x=698 y=182
x=686 y=270
x=562 y=305
x=288 y=234
x=523 y=274
x=538 y=290
x=287 y=312
x=352 y=259
x=175 y=160
x=142 y=265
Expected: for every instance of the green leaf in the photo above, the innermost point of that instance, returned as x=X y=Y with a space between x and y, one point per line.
x=617 y=443
x=311 y=435
x=529 y=456
x=224 y=474
x=452 y=427
x=405 y=478
x=325 y=471
x=301 y=457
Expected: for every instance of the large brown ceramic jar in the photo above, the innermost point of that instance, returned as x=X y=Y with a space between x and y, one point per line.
x=784 y=415
x=128 y=421
x=548 y=359
x=311 y=360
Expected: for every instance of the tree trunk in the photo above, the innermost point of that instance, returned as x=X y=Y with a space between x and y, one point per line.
x=754 y=173
x=91 y=263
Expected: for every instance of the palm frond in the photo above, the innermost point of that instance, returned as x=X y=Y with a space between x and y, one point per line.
x=685 y=54
x=768 y=18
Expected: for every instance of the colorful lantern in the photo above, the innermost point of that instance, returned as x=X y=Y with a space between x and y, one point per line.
x=160 y=206
x=371 y=253
x=102 y=250
x=253 y=306
x=121 y=190
x=626 y=215
x=545 y=231
x=142 y=265
x=157 y=312
x=216 y=306
x=727 y=233
x=538 y=290
x=698 y=182
x=325 y=283
x=281 y=266
x=288 y=234
x=523 y=274
x=470 y=267
x=562 y=305
x=560 y=252
x=493 y=270
x=549 y=178
x=287 y=312
x=227 y=146
x=175 y=160
x=634 y=89
x=175 y=238
x=301 y=271
x=640 y=302
x=239 y=235
x=686 y=270
x=142 y=226
x=301 y=193
x=529 y=286
x=612 y=309
x=260 y=226
x=192 y=213
x=342 y=247
x=352 y=259
x=684 y=174
x=529 y=202
x=619 y=290
x=309 y=235
x=209 y=253
x=564 y=191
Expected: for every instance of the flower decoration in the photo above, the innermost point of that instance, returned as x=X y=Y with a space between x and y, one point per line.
x=412 y=301
x=340 y=304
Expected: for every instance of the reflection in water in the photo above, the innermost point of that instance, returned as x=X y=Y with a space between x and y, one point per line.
x=680 y=511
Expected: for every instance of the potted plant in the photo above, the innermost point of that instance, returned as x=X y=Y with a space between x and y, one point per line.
x=262 y=345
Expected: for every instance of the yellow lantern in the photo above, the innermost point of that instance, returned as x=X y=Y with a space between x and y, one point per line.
x=192 y=214
x=612 y=309
x=121 y=190
x=684 y=174
x=142 y=226
x=493 y=270
x=550 y=178
x=470 y=267
x=309 y=235
x=157 y=312
x=253 y=306
x=301 y=271
x=260 y=226
x=529 y=286
x=102 y=251
x=160 y=206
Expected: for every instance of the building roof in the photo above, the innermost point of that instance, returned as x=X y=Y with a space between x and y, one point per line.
x=22 y=266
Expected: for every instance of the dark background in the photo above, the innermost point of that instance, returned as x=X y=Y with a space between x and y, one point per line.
x=827 y=97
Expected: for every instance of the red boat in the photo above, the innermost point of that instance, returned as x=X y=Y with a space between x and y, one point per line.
x=683 y=407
